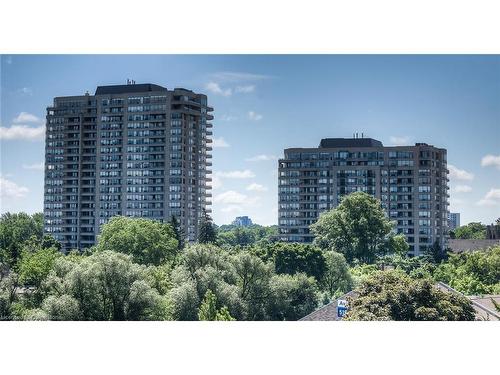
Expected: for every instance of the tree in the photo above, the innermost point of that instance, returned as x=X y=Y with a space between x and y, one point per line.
x=36 y=264
x=178 y=231
x=470 y=231
x=472 y=273
x=15 y=229
x=149 y=242
x=336 y=278
x=392 y=295
x=104 y=286
x=291 y=297
x=208 y=309
x=206 y=230
x=436 y=253
x=232 y=235
x=398 y=245
x=291 y=258
x=357 y=228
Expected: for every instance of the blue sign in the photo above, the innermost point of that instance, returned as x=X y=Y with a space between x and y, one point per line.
x=341 y=307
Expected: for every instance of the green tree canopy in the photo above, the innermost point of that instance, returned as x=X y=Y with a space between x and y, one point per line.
x=148 y=241
x=336 y=279
x=206 y=229
x=392 y=295
x=208 y=309
x=471 y=231
x=15 y=229
x=104 y=286
x=357 y=228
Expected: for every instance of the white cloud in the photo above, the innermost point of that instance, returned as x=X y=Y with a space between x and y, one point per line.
x=491 y=161
x=24 y=117
x=236 y=174
x=262 y=157
x=9 y=189
x=25 y=91
x=220 y=143
x=238 y=77
x=216 y=183
x=22 y=132
x=399 y=141
x=492 y=198
x=254 y=116
x=215 y=88
x=230 y=197
x=36 y=166
x=245 y=89
x=225 y=117
x=460 y=174
x=462 y=189
x=256 y=187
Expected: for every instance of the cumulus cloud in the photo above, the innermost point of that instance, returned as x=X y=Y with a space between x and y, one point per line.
x=35 y=166
x=254 y=116
x=462 y=189
x=460 y=174
x=230 y=197
x=216 y=89
x=399 y=141
x=220 y=143
x=22 y=132
x=236 y=174
x=492 y=198
x=225 y=117
x=232 y=208
x=262 y=157
x=25 y=117
x=9 y=189
x=256 y=187
x=491 y=161
x=25 y=91
x=216 y=183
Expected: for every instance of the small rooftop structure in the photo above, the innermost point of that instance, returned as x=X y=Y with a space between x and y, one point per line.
x=349 y=142
x=130 y=88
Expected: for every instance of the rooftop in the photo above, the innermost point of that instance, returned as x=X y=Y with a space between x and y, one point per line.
x=349 y=142
x=125 y=89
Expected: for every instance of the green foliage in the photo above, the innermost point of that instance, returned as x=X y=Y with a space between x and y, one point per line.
x=148 y=241
x=398 y=245
x=472 y=273
x=336 y=279
x=178 y=231
x=392 y=295
x=357 y=228
x=476 y=231
x=232 y=235
x=436 y=253
x=208 y=309
x=206 y=229
x=291 y=296
x=15 y=230
x=103 y=286
x=291 y=258
x=36 y=263
x=8 y=295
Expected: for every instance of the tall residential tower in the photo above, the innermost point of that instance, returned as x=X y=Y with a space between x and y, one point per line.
x=410 y=181
x=138 y=150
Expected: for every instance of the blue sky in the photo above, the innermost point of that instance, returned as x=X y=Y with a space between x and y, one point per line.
x=265 y=103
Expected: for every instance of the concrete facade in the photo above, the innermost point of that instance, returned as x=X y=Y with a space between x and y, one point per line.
x=453 y=220
x=410 y=181
x=137 y=150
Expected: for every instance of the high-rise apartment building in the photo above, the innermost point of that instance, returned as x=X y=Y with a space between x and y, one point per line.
x=410 y=181
x=453 y=220
x=138 y=150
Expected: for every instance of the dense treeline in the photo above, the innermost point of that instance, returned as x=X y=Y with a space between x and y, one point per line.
x=141 y=270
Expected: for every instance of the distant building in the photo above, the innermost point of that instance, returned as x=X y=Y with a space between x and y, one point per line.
x=493 y=231
x=410 y=181
x=242 y=221
x=453 y=220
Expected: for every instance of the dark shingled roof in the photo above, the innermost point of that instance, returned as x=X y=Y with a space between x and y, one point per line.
x=125 y=89
x=349 y=142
